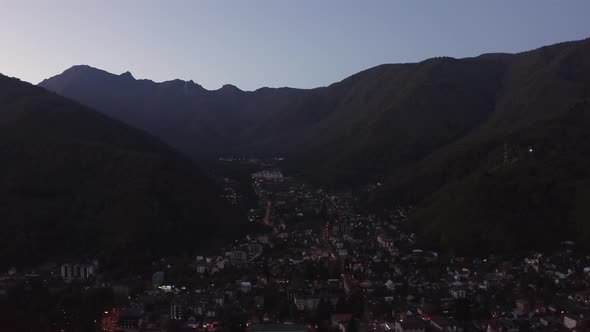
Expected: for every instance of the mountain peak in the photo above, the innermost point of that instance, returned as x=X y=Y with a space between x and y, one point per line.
x=72 y=74
x=127 y=75
x=229 y=87
x=82 y=69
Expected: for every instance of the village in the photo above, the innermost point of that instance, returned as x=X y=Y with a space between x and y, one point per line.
x=324 y=266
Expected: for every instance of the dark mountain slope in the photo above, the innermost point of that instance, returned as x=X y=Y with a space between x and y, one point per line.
x=203 y=124
x=74 y=182
x=514 y=182
x=393 y=115
x=368 y=123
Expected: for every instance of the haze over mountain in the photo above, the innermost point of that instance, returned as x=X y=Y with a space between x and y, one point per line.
x=451 y=135
x=75 y=183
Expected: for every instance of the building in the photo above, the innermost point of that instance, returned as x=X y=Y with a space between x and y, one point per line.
x=340 y=321
x=502 y=325
x=385 y=242
x=440 y=323
x=306 y=303
x=245 y=286
x=277 y=328
x=255 y=249
x=177 y=310
x=273 y=175
x=410 y=325
x=71 y=272
x=130 y=319
x=523 y=305
x=458 y=292
x=236 y=256
x=574 y=321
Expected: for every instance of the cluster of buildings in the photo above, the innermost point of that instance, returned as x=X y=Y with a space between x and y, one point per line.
x=326 y=266
x=230 y=190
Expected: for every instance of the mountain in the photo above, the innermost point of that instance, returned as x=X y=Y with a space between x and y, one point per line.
x=75 y=183
x=451 y=136
x=379 y=115
x=386 y=117
x=519 y=179
x=201 y=123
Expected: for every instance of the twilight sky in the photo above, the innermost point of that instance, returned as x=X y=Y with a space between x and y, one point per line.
x=251 y=44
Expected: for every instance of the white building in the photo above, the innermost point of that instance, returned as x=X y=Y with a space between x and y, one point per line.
x=572 y=321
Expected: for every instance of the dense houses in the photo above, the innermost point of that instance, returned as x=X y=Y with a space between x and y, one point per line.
x=325 y=266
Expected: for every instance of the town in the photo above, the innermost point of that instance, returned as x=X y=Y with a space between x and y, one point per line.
x=325 y=265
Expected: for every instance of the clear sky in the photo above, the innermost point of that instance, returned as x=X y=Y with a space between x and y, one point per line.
x=256 y=43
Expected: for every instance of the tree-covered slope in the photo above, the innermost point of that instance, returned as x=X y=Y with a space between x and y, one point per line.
x=517 y=181
x=75 y=183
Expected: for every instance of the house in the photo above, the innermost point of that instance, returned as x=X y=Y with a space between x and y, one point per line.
x=385 y=241
x=571 y=321
x=523 y=305
x=277 y=328
x=201 y=267
x=219 y=298
x=410 y=325
x=130 y=319
x=340 y=321
x=458 y=292
x=502 y=325
x=440 y=323
x=390 y=284
x=245 y=286
x=262 y=238
x=255 y=249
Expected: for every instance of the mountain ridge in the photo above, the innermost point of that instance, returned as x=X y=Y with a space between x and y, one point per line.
x=422 y=128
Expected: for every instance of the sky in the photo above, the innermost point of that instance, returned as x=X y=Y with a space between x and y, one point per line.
x=258 y=43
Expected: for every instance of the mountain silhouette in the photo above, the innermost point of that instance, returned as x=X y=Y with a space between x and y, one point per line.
x=451 y=136
x=75 y=183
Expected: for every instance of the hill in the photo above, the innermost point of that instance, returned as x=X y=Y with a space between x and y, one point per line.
x=75 y=183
